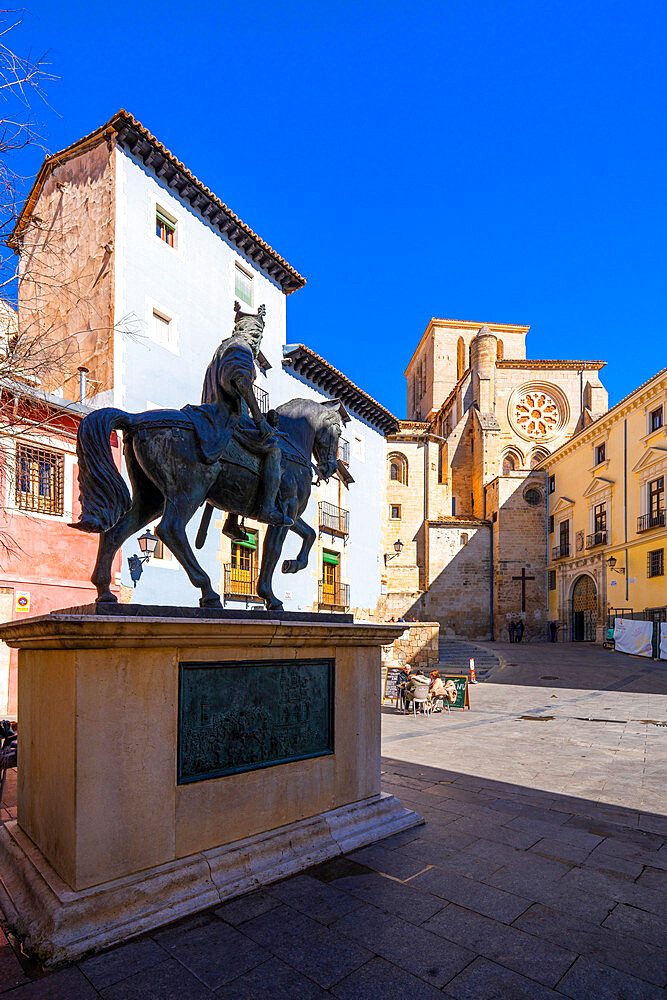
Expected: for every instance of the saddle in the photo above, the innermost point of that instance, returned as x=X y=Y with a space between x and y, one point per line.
x=214 y=431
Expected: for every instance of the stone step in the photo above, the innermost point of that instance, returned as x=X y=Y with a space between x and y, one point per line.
x=457 y=653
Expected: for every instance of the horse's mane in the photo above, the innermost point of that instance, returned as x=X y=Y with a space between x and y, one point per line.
x=298 y=407
x=306 y=416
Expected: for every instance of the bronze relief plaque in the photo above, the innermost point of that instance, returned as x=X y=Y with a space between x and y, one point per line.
x=240 y=715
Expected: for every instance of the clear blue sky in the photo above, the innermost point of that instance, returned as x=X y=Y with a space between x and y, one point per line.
x=475 y=159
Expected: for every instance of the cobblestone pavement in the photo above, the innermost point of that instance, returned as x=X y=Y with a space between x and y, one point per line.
x=539 y=872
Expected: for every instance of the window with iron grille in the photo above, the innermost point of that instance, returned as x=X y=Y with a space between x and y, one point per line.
x=552 y=579
x=39 y=479
x=656 y=563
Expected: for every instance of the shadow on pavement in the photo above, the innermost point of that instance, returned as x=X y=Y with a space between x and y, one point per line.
x=576 y=665
x=505 y=891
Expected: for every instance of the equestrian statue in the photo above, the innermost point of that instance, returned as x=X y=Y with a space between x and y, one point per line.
x=223 y=453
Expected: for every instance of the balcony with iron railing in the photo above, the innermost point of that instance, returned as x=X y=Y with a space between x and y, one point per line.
x=344 y=451
x=333 y=596
x=648 y=521
x=333 y=519
x=560 y=551
x=262 y=397
x=597 y=538
x=240 y=584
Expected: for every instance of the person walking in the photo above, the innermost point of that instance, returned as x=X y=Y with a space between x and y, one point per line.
x=553 y=631
x=511 y=628
x=520 y=628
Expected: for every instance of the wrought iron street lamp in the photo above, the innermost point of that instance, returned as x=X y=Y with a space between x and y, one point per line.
x=148 y=543
x=611 y=563
x=398 y=548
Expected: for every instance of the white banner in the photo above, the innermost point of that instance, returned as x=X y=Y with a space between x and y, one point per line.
x=663 y=641
x=633 y=637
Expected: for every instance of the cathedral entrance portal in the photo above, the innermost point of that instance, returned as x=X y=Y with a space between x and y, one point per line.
x=584 y=610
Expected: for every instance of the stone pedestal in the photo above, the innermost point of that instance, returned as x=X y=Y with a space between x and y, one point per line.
x=108 y=843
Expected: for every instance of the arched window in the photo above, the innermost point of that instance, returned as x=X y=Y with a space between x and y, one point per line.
x=537 y=456
x=460 y=358
x=464 y=538
x=500 y=351
x=398 y=469
x=512 y=461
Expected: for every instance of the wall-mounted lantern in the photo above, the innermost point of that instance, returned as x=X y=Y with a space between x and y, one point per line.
x=611 y=563
x=398 y=548
x=147 y=543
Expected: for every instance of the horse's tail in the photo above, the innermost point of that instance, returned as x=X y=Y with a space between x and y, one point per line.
x=103 y=494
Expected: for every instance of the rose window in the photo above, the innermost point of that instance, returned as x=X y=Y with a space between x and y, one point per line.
x=536 y=414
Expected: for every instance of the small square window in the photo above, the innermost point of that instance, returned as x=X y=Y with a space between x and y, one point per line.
x=395 y=511
x=600 y=454
x=552 y=579
x=552 y=484
x=656 y=563
x=655 y=419
x=165 y=227
x=162 y=331
x=243 y=285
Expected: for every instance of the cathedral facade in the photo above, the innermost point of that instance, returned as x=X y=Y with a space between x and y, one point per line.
x=463 y=494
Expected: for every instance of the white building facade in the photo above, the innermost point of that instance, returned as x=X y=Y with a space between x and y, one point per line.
x=179 y=259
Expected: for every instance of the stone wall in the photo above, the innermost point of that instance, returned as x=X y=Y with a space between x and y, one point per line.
x=418 y=646
x=519 y=543
x=458 y=595
x=66 y=287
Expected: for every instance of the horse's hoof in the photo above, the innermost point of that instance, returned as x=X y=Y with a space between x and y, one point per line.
x=274 y=606
x=107 y=599
x=290 y=566
x=211 y=602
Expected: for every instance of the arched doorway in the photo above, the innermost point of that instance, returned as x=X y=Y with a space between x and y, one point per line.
x=584 y=609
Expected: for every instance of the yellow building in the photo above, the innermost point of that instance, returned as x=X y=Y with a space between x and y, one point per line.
x=606 y=516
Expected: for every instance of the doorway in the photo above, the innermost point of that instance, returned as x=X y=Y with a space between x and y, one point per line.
x=584 y=610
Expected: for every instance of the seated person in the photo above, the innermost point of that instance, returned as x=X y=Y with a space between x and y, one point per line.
x=436 y=688
x=401 y=683
x=411 y=686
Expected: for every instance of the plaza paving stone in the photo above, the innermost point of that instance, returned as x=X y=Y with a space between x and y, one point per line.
x=540 y=872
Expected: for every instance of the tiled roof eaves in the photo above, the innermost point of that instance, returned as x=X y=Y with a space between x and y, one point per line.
x=127 y=130
x=549 y=363
x=48 y=399
x=317 y=370
x=468 y=324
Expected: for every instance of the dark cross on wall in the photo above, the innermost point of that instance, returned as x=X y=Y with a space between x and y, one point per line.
x=523 y=579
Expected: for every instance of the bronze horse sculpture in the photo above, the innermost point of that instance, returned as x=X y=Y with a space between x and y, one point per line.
x=178 y=460
x=170 y=481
